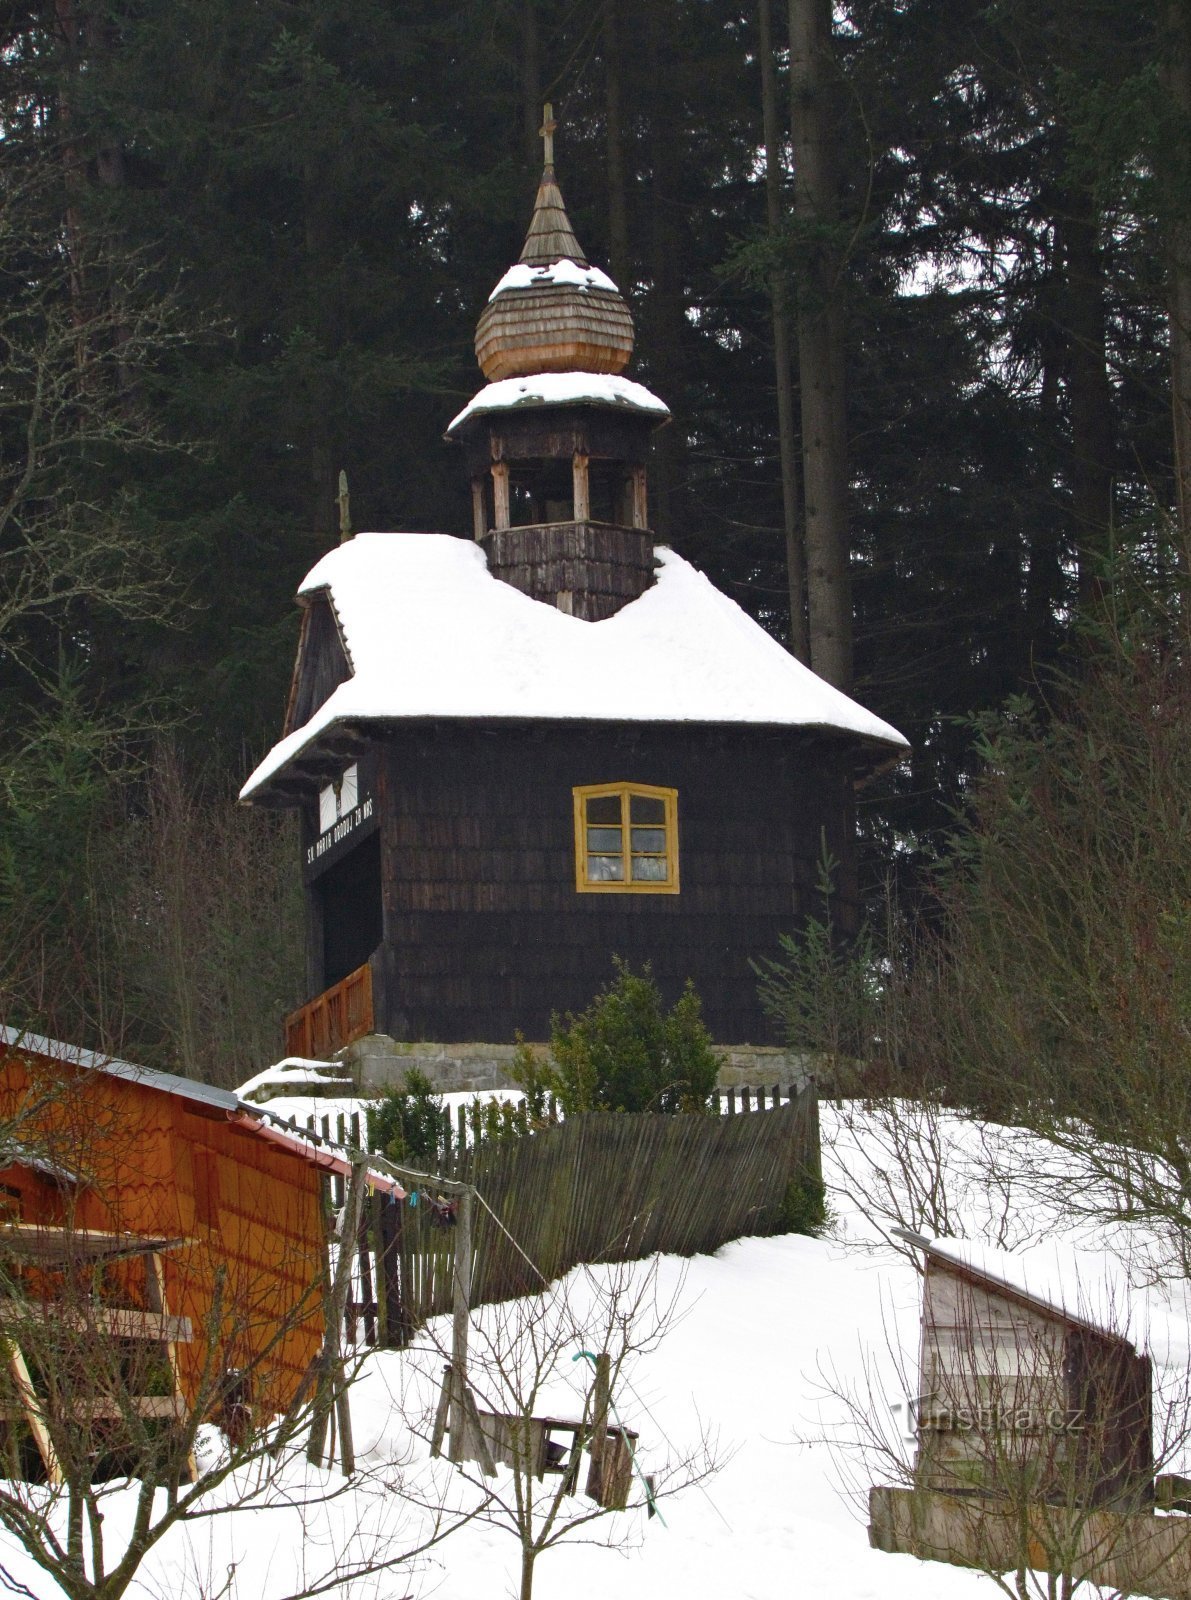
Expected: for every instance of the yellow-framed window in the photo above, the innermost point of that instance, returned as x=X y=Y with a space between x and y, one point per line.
x=626 y=839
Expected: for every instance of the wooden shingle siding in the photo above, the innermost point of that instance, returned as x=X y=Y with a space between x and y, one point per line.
x=321 y=664
x=484 y=931
x=554 y=328
x=600 y=566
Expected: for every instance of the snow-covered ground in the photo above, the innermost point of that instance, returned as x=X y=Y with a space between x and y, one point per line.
x=769 y=1331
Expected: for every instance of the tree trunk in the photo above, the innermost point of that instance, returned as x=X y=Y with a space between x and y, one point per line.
x=614 y=149
x=820 y=343
x=787 y=443
x=1089 y=394
x=531 y=83
x=73 y=169
x=326 y=447
x=1176 y=78
x=666 y=308
x=1045 y=581
x=527 y=1561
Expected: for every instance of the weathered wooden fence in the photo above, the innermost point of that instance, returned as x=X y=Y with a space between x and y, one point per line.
x=604 y=1186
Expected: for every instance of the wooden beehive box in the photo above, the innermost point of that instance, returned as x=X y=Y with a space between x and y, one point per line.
x=1022 y=1398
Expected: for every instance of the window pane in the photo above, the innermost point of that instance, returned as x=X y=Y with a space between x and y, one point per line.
x=604 y=808
x=605 y=869
x=649 y=869
x=645 y=808
x=604 y=839
x=652 y=840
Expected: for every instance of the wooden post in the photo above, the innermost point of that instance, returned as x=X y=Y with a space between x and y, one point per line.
x=500 y=492
x=33 y=1413
x=379 y=1275
x=582 y=487
x=479 y=512
x=599 y=1425
x=368 y=1297
x=442 y=1411
x=459 y=1324
x=332 y=1389
x=156 y=1301
x=640 y=500
x=392 y=1222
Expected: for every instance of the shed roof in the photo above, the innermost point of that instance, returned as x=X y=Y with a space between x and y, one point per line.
x=1087 y=1288
x=74 y=1055
x=205 y=1098
x=432 y=634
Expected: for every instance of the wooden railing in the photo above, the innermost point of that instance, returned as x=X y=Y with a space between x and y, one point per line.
x=333 y=1018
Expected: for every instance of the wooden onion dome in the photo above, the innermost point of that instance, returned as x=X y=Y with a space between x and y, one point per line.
x=553 y=312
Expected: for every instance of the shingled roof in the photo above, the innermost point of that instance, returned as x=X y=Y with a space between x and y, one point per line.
x=432 y=634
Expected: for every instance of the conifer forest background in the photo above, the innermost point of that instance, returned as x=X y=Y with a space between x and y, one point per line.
x=914 y=277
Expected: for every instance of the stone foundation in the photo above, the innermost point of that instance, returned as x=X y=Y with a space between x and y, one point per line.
x=760 y=1066
x=377 y=1063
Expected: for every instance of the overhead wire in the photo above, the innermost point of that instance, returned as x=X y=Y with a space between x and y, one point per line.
x=623 y=1380
x=509 y=1237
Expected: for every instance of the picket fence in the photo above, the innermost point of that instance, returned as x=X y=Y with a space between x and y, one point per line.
x=599 y=1187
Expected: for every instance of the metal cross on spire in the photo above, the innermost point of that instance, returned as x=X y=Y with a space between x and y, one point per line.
x=546 y=132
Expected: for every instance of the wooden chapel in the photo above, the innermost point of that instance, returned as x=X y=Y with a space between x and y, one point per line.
x=521 y=754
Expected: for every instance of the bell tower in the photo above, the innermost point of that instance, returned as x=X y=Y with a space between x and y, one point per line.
x=557 y=444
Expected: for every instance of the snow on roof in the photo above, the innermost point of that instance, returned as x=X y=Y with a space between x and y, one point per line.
x=562 y=388
x=554 y=273
x=295 y=1071
x=433 y=634
x=1089 y=1285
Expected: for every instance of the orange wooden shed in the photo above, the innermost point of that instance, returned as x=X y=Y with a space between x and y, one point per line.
x=229 y=1199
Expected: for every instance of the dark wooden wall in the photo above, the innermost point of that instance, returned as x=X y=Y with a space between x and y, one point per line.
x=322 y=664
x=485 y=933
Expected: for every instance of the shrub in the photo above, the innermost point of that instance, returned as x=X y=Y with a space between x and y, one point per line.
x=406 y=1125
x=804 y=1205
x=625 y=1053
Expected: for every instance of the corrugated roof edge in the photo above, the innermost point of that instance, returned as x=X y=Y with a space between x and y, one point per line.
x=244 y=1112
x=74 y=1055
